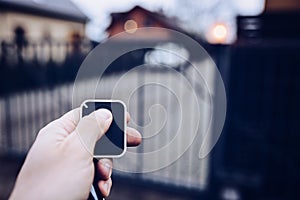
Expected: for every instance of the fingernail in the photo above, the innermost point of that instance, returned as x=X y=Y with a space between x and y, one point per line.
x=106 y=187
x=108 y=168
x=104 y=115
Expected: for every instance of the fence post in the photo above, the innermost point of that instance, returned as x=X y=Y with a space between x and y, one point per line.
x=8 y=133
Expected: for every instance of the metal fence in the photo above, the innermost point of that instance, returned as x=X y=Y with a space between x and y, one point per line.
x=37 y=65
x=258 y=153
x=23 y=114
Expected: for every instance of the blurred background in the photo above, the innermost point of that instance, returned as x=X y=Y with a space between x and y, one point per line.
x=255 y=45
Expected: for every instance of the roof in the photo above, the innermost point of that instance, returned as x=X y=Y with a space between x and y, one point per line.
x=61 y=9
x=166 y=21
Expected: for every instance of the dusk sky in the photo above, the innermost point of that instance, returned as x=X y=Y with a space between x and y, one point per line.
x=194 y=16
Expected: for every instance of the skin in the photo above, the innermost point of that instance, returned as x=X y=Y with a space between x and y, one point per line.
x=59 y=164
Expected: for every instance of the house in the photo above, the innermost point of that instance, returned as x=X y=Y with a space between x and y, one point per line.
x=282 y=6
x=139 y=17
x=279 y=21
x=55 y=20
x=40 y=29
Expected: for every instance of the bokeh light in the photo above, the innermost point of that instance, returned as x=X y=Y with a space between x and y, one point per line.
x=130 y=26
x=218 y=34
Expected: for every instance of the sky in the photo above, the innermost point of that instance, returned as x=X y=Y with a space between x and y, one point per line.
x=196 y=16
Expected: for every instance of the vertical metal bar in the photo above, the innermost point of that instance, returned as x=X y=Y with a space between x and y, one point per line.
x=60 y=99
x=140 y=116
x=40 y=100
x=8 y=124
x=2 y=130
x=18 y=128
x=27 y=124
x=168 y=99
x=33 y=109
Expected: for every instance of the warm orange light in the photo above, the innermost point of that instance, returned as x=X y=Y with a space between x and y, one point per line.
x=218 y=34
x=130 y=26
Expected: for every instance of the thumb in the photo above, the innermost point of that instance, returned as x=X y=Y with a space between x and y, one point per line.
x=92 y=127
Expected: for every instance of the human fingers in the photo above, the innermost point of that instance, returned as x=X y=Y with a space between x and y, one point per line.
x=92 y=127
x=134 y=138
x=105 y=186
x=104 y=169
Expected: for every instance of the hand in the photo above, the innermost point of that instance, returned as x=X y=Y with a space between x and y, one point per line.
x=59 y=164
